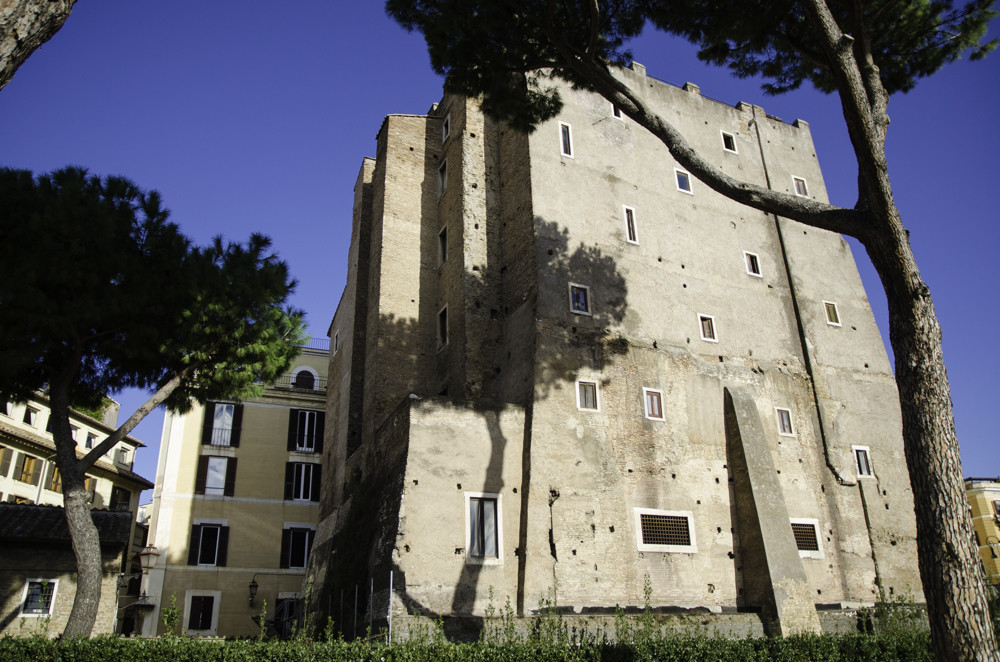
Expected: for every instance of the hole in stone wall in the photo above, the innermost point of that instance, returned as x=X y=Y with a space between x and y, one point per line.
x=611 y=528
x=415 y=481
x=716 y=480
x=459 y=486
x=515 y=490
x=673 y=475
x=654 y=344
x=718 y=529
x=458 y=550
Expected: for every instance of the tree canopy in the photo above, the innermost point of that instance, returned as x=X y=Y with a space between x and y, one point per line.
x=98 y=292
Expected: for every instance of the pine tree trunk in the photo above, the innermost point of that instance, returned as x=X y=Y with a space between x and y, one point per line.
x=82 y=531
x=24 y=26
x=949 y=561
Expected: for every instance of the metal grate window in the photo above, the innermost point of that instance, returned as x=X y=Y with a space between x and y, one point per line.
x=664 y=529
x=805 y=537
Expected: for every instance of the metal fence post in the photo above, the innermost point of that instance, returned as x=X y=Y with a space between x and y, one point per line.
x=388 y=636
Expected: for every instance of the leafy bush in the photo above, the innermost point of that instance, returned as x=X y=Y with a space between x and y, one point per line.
x=908 y=646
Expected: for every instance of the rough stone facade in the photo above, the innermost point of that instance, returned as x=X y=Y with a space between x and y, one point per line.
x=468 y=377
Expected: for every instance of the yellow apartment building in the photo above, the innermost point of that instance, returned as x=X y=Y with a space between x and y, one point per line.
x=236 y=503
x=984 y=501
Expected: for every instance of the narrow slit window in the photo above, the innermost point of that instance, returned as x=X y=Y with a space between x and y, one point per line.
x=616 y=111
x=442 y=179
x=586 y=395
x=579 y=299
x=654 y=403
x=443 y=327
x=832 y=314
x=442 y=245
x=683 y=180
x=862 y=460
x=631 y=236
x=729 y=142
x=445 y=128
x=706 y=324
x=800 y=187
x=566 y=139
x=753 y=264
x=784 y=421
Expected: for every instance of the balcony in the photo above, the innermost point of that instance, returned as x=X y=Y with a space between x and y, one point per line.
x=301 y=382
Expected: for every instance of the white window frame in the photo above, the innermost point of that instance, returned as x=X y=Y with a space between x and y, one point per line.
x=484 y=560
x=8 y=409
x=185 y=619
x=597 y=394
x=24 y=596
x=747 y=255
x=300 y=526
x=791 y=423
x=442 y=329
x=701 y=328
x=586 y=289
x=445 y=128
x=827 y=307
x=31 y=414
x=735 y=149
x=631 y=230
x=306 y=441
x=220 y=488
x=855 y=450
x=442 y=178
x=215 y=557
x=672 y=549
x=687 y=176
x=299 y=473
x=808 y=553
x=616 y=112
x=645 y=403
x=568 y=139
x=795 y=186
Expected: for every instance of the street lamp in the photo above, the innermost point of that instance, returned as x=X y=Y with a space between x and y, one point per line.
x=148 y=557
x=994 y=545
x=253 y=588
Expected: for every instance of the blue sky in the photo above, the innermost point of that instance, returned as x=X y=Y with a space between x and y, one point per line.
x=253 y=117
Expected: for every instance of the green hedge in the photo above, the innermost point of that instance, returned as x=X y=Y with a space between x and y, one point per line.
x=908 y=646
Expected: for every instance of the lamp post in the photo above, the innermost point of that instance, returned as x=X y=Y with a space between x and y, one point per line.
x=253 y=588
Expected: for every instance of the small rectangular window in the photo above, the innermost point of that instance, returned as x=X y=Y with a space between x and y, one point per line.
x=200 y=618
x=800 y=187
x=482 y=542
x=631 y=236
x=91 y=440
x=566 y=139
x=832 y=316
x=442 y=245
x=442 y=328
x=74 y=433
x=8 y=409
x=30 y=416
x=579 y=299
x=442 y=179
x=215 y=480
x=30 y=470
x=586 y=396
x=39 y=595
x=208 y=545
x=706 y=324
x=729 y=142
x=784 y=421
x=336 y=342
x=654 y=403
x=806 y=534
x=753 y=264
x=222 y=424
x=664 y=531
x=862 y=460
x=683 y=180
x=295 y=545
x=445 y=127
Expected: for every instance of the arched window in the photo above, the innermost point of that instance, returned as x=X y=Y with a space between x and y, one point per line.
x=305 y=379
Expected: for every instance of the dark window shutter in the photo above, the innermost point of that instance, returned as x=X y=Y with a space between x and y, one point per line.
x=237 y=425
x=230 y=486
x=289 y=479
x=286 y=548
x=201 y=477
x=36 y=472
x=50 y=475
x=5 y=455
x=314 y=496
x=206 y=430
x=220 y=559
x=293 y=428
x=194 y=545
x=320 y=427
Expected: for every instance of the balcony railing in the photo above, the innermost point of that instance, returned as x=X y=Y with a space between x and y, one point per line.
x=303 y=381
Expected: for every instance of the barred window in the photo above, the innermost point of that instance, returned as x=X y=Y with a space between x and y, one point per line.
x=806 y=534
x=664 y=531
